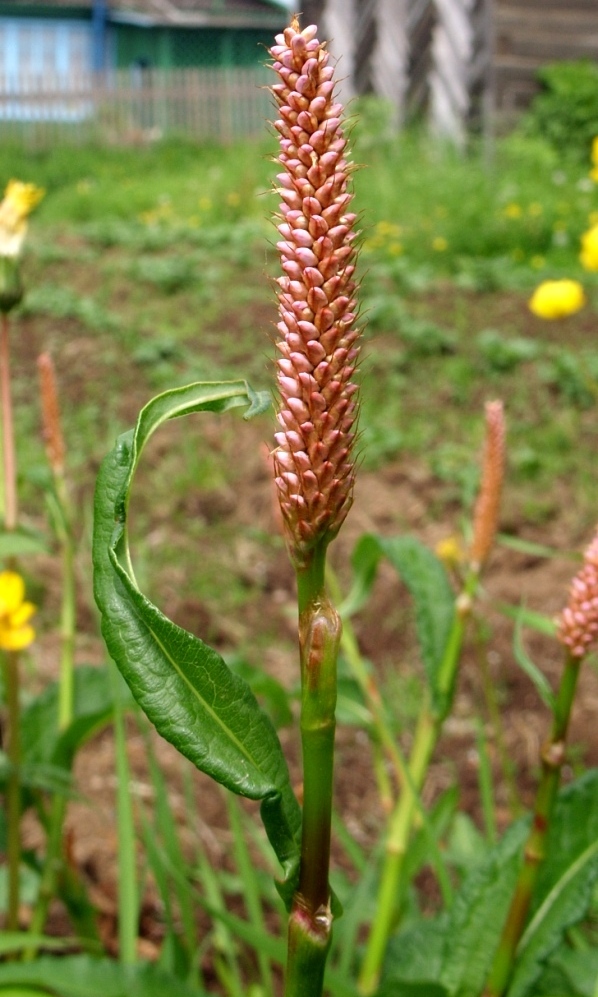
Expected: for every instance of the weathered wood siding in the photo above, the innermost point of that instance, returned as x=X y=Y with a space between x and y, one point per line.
x=530 y=33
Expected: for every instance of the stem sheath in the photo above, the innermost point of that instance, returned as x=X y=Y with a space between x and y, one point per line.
x=310 y=923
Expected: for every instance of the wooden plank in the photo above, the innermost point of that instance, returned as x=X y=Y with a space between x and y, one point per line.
x=549 y=20
x=544 y=6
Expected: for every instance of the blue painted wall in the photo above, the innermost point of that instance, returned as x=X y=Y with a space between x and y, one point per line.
x=43 y=46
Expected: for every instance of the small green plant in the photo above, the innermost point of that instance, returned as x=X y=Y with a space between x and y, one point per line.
x=565 y=112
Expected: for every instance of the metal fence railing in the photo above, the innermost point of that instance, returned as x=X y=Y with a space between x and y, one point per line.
x=136 y=105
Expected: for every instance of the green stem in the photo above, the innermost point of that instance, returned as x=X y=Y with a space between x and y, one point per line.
x=553 y=756
x=68 y=620
x=310 y=924
x=13 y=787
x=400 y=825
x=8 y=443
x=53 y=861
x=397 y=839
x=494 y=715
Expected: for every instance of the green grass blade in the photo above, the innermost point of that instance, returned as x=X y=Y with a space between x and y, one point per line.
x=251 y=890
x=128 y=900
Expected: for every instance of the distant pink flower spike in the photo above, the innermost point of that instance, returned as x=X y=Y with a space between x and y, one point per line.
x=313 y=461
x=578 y=626
x=487 y=507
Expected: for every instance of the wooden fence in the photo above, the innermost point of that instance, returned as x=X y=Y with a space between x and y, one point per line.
x=530 y=33
x=136 y=106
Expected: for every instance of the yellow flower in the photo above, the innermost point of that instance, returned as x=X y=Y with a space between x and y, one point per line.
x=19 y=201
x=439 y=244
x=594 y=153
x=449 y=551
x=535 y=209
x=388 y=228
x=589 y=249
x=555 y=299
x=512 y=210
x=233 y=198
x=15 y=630
x=537 y=262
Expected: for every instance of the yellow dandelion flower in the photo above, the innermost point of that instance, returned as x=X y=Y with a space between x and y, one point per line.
x=537 y=262
x=512 y=210
x=19 y=201
x=233 y=198
x=594 y=152
x=589 y=249
x=395 y=248
x=554 y=299
x=439 y=244
x=535 y=209
x=15 y=613
x=204 y=203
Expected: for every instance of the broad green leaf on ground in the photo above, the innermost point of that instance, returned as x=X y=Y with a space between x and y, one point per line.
x=576 y=969
x=83 y=976
x=566 y=880
x=416 y=954
x=428 y=584
x=478 y=913
x=92 y=708
x=414 y=989
x=21 y=543
x=184 y=686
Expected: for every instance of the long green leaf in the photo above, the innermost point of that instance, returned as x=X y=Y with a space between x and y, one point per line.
x=185 y=688
x=541 y=683
x=427 y=582
x=92 y=709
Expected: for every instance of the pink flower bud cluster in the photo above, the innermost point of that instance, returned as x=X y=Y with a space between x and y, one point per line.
x=578 y=628
x=317 y=308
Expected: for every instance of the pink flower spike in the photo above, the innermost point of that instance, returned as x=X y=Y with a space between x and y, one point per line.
x=313 y=465
x=578 y=624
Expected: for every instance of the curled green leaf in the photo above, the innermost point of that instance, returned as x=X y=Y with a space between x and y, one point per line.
x=184 y=686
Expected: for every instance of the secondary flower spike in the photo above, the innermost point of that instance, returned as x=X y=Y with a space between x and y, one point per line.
x=313 y=461
x=578 y=629
x=485 y=523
